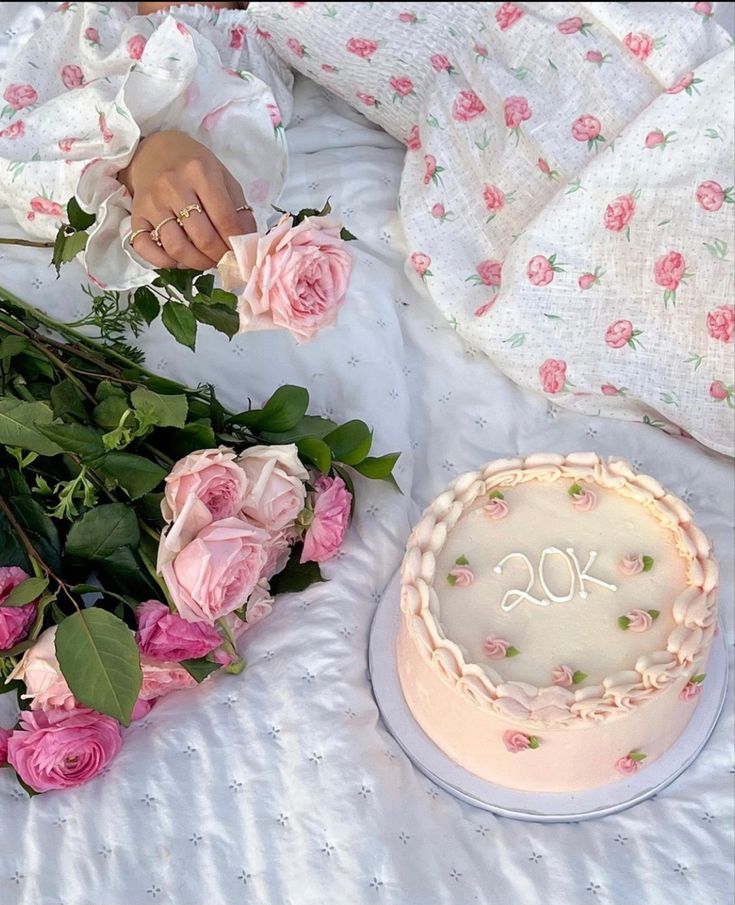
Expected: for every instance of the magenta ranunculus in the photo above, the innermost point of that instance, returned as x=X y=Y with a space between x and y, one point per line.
x=165 y=636
x=326 y=532
x=15 y=621
x=60 y=749
x=276 y=491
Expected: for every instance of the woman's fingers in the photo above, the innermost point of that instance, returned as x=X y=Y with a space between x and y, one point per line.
x=176 y=243
x=221 y=208
x=146 y=248
x=202 y=234
x=238 y=197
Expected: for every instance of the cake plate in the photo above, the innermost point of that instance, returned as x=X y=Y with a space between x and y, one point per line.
x=542 y=807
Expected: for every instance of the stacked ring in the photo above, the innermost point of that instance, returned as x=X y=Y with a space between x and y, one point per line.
x=135 y=233
x=187 y=211
x=244 y=207
x=156 y=233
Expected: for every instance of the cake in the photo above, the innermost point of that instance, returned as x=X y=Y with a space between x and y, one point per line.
x=557 y=616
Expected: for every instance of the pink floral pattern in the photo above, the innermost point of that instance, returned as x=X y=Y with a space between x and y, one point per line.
x=640 y=45
x=711 y=196
x=362 y=47
x=553 y=374
x=496 y=648
x=630 y=763
x=508 y=15
x=467 y=106
x=421 y=263
x=402 y=85
x=721 y=323
x=620 y=334
x=619 y=212
x=588 y=128
x=541 y=270
x=670 y=272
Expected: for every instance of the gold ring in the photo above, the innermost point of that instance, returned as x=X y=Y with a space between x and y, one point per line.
x=245 y=207
x=156 y=232
x=187 y=211
x=135 y=233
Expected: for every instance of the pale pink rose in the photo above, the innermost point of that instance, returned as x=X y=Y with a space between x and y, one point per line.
x=46 y=206
x=495 y=648
x=584 y=501
x=429 y=168
x=608 y=389
x=260 y=604
x=277 y=551
x=275 y=115
x=655 y=138
x=160 y=679
x=639 y=621
x=409 y=18
x=72 y=77
x=490 y=272
x=704 y=9
x=402 y=85
x=62 y=749
x=39 y=670
x=216 y=573
x=587 y=280
x=421 y=263
x=4 y=736
x=66 y=144
x=594 y=56
x=15 y=621
x=136 y=46
x=516 y=742
x=618 y=334
x=275 y=486
x=669 y=270
x=631 y=565
x=213 y=477
x=684 y=82
x=586 y=128
x=92 y=35
x=711 y=195
x=296 y=47
x=540 y=271
x=721 y=323
x=438 y=211
x=553 y=374
x=467 y=106
x=165 y=636
x=508 y=15
x=237 y=37
x=367 y=99
x=326 y=533
x=627 y=765
x=362 y=47
x=413 y=142
x=496 y=509
x=295 y=277
x=516 y=111
x=640 y=45
x=16 y=129
x=718 y=390
x=494 y=198
x=20 y=96
x=563 y=676
x=571 y=26
x=463 y=576
x=689 y=691
x=440 y=63
x=619 y=213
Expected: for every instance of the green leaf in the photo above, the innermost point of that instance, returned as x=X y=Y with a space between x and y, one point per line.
x=308 y=426
x=296 y=576
x=101 y=531
x=316 y=452
x=149 y=508
x=147 y=304
x=378 y=467
x=452 y=579
x=19 y=423
x=100 y=661
x=496 y=495
x=462 y=561
x=135 y=474
x=106 y=390
x=200 y=668
x=512 y=652
x=181 y=280
x=698 y=679
x=282 y=412
x=33 y=520
x=108 y=413
x=194 y=436
x=637 y=756
x=533 y=742
x=575 y=489
x=67 y=247
x=68 y=399
x=654 y=614
x=13 y=345
x=222 y=318
x=26 y=592
x=346 y=235
x=125 y=569
x=623 y=622
x=180 y=323
x=221 y=297
x=205 y=283
x=78 y=218
x=162 y=411
x=77 y=439
x=350 y=443
x=578 y=677
x=647 y=563
x=59 y=242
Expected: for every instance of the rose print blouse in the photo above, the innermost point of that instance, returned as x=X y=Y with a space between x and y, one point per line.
x=94 y=80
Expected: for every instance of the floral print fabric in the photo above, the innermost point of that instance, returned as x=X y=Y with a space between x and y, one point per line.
x=567 y=195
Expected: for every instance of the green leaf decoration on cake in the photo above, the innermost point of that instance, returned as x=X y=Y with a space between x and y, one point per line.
x=462 y=560
x=623 y=622
x=654 y=614
x=575 y=489
x=647 y=563
x=495 y=495
x=512 y=652
x=452 y=579
x=578 y=677
x=637 y=756
x=697 y=680
x=533 y=741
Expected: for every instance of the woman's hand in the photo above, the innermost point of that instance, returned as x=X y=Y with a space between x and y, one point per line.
x=168 y=173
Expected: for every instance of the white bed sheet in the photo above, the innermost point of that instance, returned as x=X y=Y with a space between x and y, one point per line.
x=281 y=786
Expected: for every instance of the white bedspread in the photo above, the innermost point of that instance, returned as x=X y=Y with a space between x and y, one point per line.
x=281 y=786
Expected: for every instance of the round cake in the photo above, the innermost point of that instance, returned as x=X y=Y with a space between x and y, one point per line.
x=557 y=617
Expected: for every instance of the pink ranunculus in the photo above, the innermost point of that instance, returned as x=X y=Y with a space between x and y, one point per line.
x=463 y=576
x=362 y=47
x=438 y=211
x=421 y=263
x=710 y=195
x=684 y=82
x=619 y=212
x=570 y=26
x=295 y=277
x=640 y=45
x=627 y=765
x=516 y=742
x=721 y=323
x=490 y=272
x=326 y=533
x=718 y=390
x=216 y=573
x=618 y=334
x=408 y=18
x=540 y=271
x=367 y=99
x=92 y=35
x=4 y=736
x=402 y=85
x=563 y=676
x=638 y=621
x=136 y=46
x=608 y=389
x=654 y=139
x=62 y=749
x=237 y=37
x=15 y=621
x=689 y=691
x=275 y=115
x=160 y=679
x=508 y=15
x=703 y=8
x=165 y=636
x=467 y=106
x=516 y=111
x=553 y=374
x=440 y=63
x=276 y=492
x=413 y=142
x=72 y=76
x=587 y=280
x=494 y=198
x=15 y=130
x=46 y=206
x=669 y=270
x=296 y=47
x=39 y=670
x=429 y=168
x=495 y=648
x=586 y=128
x=20 y=96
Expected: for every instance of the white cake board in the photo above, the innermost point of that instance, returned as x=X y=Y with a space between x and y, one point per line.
x=537 y=806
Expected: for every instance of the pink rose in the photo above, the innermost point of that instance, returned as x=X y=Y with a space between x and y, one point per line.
x=296 y=47
x=490 y=272
x=367 y=99
x=276 y=492
x=467 y=106
x=712 y=196
x=594 y=56
x=160 y=679
x=516 y=111
x=553 y=374
x=438 y=211
x=655 y=138
x=563 y=676
x=684 y=82
x=62 y=749
x=39 y=670
x=508 y=15
x=587 y=280
x=65 y=144
x=164 y=636
x=627 y=765
x=402 y=85
x=440 y=63
x=463 y=577
x=4 y=736
x=618 y=334
x=495 y=648
x=689 y=691
x=275 y=115
x=720 y=324
x=16 y=129
x=631 y=565
x=619 y=213
x=608 y=389
x=586 y=128
x=669 y=271
x=413 y=142
x=15 y=621
x=703 y=8
x=516 y=742
x=640 y=45
x=584 y=501
x=277 y=551
x=92 y=35
x=362 y=47
x=259 y=606
x=46 y=206
x=237 y=37
x=496 y=509
x=72 y=77
x=295 y=277
x=409 y=18
x=430 y=167
x=326 y=533
x=216 y=573
x=718 y=390
x=20 y=96
x=493 y=197
x=638 y=621
x=136 y=46
x=421 y=263
x=571 y=26
x=540 y=271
